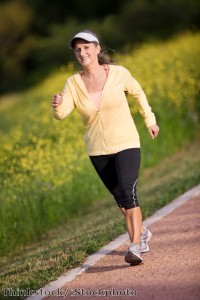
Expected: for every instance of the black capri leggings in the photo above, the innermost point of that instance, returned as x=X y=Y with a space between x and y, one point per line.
x=119 y=173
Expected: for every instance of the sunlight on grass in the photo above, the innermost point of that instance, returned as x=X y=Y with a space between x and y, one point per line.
x=46 y=177
x=67 y=246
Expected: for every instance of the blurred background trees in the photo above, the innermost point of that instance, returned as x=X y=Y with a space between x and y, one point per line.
x=34 y=33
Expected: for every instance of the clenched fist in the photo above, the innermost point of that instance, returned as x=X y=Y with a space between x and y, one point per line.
x=57 y=100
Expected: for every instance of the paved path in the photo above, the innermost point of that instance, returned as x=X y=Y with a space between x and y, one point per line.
x=171 y=270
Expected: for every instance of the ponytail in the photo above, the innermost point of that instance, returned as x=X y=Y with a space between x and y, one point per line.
x=104 y=58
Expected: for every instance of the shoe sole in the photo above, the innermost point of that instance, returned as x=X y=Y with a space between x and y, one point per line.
x=133 y=259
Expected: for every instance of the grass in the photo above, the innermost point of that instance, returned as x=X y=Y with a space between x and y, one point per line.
x=43 y=163
x=51 y=217
x=66 y=247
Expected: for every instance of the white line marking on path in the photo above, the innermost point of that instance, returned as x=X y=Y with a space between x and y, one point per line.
x=91 y=260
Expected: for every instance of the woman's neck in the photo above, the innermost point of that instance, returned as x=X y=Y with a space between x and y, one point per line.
x=92 y=72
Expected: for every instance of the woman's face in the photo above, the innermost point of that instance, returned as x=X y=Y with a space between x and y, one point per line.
x=86 y=53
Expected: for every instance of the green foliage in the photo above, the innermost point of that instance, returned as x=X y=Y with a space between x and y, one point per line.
x=17 y=42
x=45 y=175
x=37 y=264
x=169 y=75
x=35 y=41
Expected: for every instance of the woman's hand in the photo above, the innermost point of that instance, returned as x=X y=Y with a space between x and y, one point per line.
x=57 y=100
x=153 y=130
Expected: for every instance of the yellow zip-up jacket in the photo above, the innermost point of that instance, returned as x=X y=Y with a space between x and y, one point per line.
x=110 y=128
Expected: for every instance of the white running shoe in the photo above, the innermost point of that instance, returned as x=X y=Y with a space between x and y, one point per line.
x=145 y=239
x=133 y=255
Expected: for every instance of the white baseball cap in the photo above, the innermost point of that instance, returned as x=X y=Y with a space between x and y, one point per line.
x=86 y=36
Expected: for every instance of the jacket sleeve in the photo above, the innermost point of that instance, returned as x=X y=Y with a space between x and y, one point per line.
x=133 y=88
x=66 y=106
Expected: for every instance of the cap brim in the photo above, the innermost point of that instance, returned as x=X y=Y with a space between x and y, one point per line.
x=83 y=36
